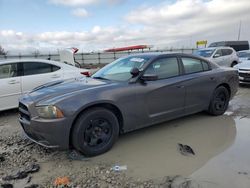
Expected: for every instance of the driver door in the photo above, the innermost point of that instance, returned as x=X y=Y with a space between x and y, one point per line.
x=164 y=98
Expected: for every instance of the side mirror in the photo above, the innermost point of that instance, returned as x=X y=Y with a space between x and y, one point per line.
x=134 y=71
x=216 y=55
x=149 y=77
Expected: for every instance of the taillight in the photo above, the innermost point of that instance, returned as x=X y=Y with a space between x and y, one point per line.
x=86 y=73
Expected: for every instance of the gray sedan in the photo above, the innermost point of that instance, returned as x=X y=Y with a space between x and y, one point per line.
x=132 y=92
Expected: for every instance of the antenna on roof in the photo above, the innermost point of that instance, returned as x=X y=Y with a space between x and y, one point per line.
x=239 y=31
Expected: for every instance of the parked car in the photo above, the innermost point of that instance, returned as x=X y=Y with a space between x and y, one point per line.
x=20 y=76
x=244 y=71
x=236 y=45
x=243 y=55
x=131 y=93
x=223 y=56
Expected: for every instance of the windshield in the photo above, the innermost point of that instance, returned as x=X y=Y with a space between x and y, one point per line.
x=120 y=69
x=243 y=54
x=204 y=53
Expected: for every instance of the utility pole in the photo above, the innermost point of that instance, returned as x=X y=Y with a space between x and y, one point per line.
x=239 y=31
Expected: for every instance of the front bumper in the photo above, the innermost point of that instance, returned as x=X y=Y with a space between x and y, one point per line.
x=244 y=76
x=51 y=133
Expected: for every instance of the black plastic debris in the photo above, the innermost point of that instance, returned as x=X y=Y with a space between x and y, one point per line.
x=32 y=168
x=17 y=176
x=2 y=158
x=7 y=185
x=185 y=149
x=74 y=155
x=23 y=173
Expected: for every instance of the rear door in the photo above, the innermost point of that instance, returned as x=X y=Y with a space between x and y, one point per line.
x=10 y=84
x=39 y=73
x=199 y=83
x=228 y=57
x=163 y=98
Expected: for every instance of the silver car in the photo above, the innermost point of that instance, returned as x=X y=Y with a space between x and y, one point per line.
x=223 y=56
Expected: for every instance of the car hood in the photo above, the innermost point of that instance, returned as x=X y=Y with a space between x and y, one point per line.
x=243 y=65
x=66 y=87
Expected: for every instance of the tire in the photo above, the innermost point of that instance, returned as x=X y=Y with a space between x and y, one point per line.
x=219 y=101
x=234 y=63
x=95 y=131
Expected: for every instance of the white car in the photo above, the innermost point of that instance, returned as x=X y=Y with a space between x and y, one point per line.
x=21 y=76
x=243 y=55
x=223 y=56
x=244 y=71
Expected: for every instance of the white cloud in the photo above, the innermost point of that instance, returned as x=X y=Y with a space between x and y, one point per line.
x=73 y=2
x=178 y=24
x=80 y=12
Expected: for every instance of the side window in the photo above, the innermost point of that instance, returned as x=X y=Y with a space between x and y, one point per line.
x=192 y=65
x=205 y=65
x=164 y=68
x=8 y=70
x=31 y=68
x=226 y=52
x=218 y=53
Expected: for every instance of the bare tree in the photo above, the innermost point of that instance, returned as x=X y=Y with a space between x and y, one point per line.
x=2 y=51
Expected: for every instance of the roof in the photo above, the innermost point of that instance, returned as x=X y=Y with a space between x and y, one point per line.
x=28 y=60
x=214 y=48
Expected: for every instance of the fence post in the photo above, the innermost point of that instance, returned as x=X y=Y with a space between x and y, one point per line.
x=19 y=55
x=82 y=58
x=99 y=58
x=114 y=56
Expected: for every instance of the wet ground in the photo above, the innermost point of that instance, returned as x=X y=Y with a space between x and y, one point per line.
x=221 y=146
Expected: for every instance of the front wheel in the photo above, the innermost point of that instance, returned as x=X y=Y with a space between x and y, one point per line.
x=95 y=131
x=234 y=63
x=219 y=101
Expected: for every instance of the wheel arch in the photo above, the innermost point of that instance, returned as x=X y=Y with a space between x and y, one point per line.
x=227 y=86
x=106 y=105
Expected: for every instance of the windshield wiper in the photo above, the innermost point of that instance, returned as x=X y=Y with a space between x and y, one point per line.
x=100 y=78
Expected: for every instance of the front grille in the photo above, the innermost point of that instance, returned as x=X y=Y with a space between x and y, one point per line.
x=245 y=75
x=24 y=112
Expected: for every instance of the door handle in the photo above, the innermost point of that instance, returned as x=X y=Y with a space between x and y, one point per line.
x=13 y=82
x=180 y=86
x=55 y=76
x=212 y=78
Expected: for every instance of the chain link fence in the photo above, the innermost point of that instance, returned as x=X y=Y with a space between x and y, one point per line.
x=92 y=58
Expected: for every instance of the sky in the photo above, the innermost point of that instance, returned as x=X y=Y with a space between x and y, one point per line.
x=95 y=25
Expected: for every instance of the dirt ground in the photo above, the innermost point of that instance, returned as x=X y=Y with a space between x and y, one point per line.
x=221 y=154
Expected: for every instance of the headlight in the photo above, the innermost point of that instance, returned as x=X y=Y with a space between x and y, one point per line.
x=49 y=112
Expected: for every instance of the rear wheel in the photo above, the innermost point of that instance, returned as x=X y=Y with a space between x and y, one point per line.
x=219 y=102
x=95 y=131
x=234 y=63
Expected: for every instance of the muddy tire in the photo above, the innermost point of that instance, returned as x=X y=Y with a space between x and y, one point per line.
x=95 y=131
x=219 y=101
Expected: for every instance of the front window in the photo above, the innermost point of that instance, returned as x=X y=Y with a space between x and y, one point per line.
x=204 y=53
x=120 y=69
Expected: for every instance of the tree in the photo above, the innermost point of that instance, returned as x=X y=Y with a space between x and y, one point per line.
x=2 y=51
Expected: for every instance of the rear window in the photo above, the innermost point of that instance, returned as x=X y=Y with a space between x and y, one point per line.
x=31 y=68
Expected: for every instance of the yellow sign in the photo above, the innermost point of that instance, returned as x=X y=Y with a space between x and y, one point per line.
x=202 y=42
